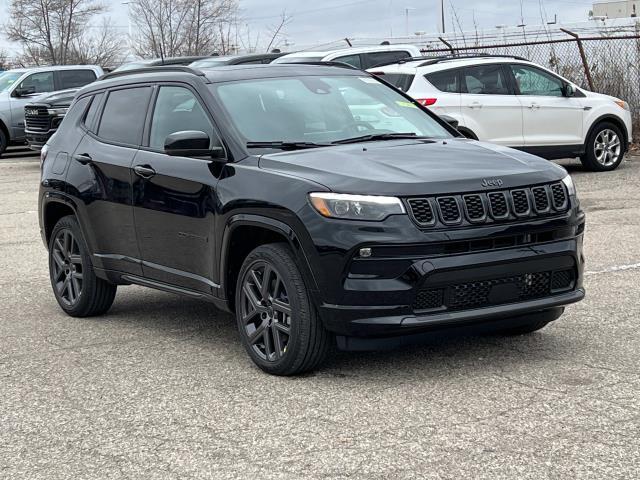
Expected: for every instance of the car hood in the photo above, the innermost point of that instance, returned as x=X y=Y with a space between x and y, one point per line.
x=412 y=167
x=62 y=98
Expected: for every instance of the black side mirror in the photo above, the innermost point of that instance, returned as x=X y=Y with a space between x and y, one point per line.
x=452 y=122
x=569 y=90
x=23 y=92
x=191 y=143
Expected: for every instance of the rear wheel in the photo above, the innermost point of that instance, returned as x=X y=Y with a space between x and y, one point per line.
x=604 y=148
x=77 y=289
x=278 y=324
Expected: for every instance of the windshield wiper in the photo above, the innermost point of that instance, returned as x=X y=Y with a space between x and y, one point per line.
x=287 y=145
x=378 y=136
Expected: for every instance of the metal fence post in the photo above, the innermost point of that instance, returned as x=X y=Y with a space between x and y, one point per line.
x=453 y=52
x=583 y=56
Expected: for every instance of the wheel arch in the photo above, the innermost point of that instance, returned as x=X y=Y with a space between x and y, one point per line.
x=245 y=232
x=5 y=130
x=53 y=210
x=617 y=121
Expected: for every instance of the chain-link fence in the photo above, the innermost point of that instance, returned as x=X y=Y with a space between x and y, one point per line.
x=607 y=63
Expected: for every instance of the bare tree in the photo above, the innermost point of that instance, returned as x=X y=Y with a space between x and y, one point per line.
x=46 y=29
x=169 y=28
x=4 y=60
x=104 y=46
x=277 y=31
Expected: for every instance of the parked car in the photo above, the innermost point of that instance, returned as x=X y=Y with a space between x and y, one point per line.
x=513 y=102
x=43 y=116
x=258 y=190
x=155 y=62
x=20 y=86
x=258 y=58
x=359 y=57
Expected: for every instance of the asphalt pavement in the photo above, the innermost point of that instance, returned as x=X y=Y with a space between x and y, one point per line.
x=160 y=387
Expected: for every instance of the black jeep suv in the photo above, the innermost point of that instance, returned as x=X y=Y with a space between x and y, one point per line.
x=316 y=202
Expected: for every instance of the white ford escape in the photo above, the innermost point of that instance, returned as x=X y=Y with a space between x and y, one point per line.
x=513 y=102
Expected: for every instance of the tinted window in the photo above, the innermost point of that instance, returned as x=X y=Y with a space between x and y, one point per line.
x=75 y=78
x=486 y=80
x=446 y=81
x=177 y=109
x=38 y=83
x=349 y=59
x=401 y=81
x=124 y=114
x=384 y=58
x=533 y=81
x=90 y=117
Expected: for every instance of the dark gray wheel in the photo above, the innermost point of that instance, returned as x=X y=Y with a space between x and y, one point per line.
x=77 y=289
x=604 y=148
x=3 y=142
x=277 y=322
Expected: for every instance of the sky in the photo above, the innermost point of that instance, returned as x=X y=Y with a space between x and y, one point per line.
x=319 y=22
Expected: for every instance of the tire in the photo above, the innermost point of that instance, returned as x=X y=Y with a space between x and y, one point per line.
x=4 y=141
x=604 y=149
x=525 y=329
x=75 y=285
x=278 y=324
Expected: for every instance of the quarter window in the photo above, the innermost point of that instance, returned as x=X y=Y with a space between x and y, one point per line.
x=533 y=81
x=445 y=81
x=75 y=78
x=90 y=117
x=485 y=80
x=177 y=109
x=124 y=114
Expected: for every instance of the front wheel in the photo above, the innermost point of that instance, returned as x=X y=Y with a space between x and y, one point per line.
x=79 y=292
x=3 y=142
x=604 y=148
x=278 y=323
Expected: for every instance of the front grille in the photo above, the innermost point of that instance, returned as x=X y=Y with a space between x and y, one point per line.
x=541 y=199
x=481 y=207
x=37 y=118
x=449 y=210
x=422 y=211
x=497 y=291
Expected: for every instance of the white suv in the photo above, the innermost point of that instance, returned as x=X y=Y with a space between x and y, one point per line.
x=513 y=102
x=359 y=57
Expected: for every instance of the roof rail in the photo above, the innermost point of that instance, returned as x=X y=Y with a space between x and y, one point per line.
x=156 y=69
x=442 y=58
x=323 y=64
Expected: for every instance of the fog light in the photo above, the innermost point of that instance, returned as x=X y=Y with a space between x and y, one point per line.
x=365 y=252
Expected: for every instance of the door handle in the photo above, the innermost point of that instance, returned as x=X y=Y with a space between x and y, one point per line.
x=83 y=158
x=475 y=105
x=534 y=106
x=144 y=171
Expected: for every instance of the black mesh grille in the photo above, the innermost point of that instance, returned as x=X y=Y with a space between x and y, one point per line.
x=429 y=299
x=541 y=199
x=498 y=202
x=37 y=118
x=422 y=211
x=562 y=280
x=449 y=209
x=559 y=196
x=520 y=202
x=475 y=207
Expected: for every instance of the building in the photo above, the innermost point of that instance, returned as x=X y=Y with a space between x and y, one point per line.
x=616 y=9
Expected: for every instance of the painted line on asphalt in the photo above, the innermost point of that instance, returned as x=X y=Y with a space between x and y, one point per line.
x=616 y=268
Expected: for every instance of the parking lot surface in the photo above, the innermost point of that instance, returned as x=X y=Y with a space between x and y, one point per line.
x=160 y=387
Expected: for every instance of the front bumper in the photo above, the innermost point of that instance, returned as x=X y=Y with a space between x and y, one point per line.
x=37 y=139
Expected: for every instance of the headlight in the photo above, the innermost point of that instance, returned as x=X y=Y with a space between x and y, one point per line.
x=58 y=111
x=622 y=104
x=571 y=188
x=356 y=207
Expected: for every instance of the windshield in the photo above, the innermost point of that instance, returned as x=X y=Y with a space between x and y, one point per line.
x=7 y=79
x=321 y=109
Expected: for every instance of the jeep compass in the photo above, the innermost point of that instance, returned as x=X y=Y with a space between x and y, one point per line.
x=317 y=203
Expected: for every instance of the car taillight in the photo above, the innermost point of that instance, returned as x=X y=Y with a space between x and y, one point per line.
x=426 y=102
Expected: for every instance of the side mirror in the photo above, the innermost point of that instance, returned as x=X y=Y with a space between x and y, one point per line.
x=450 y=120
x=23 y=92
x=191 y=143
x=569 y=90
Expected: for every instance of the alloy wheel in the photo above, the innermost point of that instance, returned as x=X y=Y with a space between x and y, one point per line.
x=265 y=311
x=67 y=267
x=607 y=147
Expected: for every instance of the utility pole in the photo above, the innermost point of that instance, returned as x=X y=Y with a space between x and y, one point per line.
x=406 y=19
x=442 y=16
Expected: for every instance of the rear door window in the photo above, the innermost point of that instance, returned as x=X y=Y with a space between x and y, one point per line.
x=124 y=115
x=485 y=80
x=75 y=78
x=374 y=59
x=445 y=81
